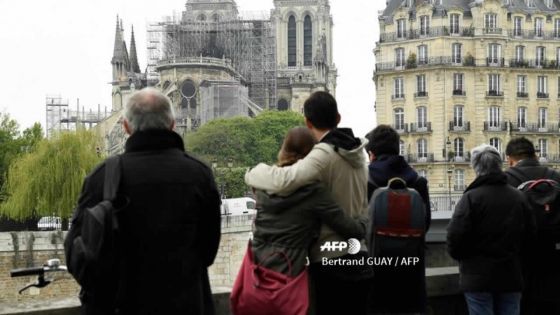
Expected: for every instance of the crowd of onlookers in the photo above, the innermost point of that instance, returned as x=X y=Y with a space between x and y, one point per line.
x=337 y=216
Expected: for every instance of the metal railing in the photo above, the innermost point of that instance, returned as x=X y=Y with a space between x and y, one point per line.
x=444 y=203
x=397 y=97
x=535 y=128
x=495 y=62
x=461 y=157
x=536 y=63
x=420 y=158
x=400 y=128
x=495 y=126
x=459 y=93
x=425 y=33
x=542 y=95
x=531 y=34
x=425 y=127
x=421 y=94
x=494 y=93
x=522 y=94
x=466 y=126
x=492 y=31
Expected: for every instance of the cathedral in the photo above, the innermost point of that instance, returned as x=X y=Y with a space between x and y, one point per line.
x=214 y=62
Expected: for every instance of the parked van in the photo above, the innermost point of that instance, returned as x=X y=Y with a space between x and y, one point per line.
x=238 y=206
x=49 y=224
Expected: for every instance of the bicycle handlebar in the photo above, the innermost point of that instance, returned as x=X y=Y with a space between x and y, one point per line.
x=51 y=266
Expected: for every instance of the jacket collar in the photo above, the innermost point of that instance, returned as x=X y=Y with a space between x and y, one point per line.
x=386 y=167
x=153 y=140
x=341 y=138
x=492 y=179
x=528 y=163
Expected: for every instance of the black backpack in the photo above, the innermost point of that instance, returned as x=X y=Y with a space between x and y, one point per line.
x=543 y=194
x=91 y=246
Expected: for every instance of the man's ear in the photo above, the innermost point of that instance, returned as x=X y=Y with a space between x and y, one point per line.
x=127 y=128
x=308 y=123
x=511 y=162
x=371 y=156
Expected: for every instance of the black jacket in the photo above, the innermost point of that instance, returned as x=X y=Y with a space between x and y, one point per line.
x=399 y=289
x=490 y=228
x=291 y=224
x=171 y=228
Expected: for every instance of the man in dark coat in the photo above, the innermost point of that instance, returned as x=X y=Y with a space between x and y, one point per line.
x=171 y=226
x=491 y=226
x=395 y=289
x=542 y=273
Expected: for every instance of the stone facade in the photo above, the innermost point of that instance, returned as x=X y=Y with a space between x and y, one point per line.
x=451 y=76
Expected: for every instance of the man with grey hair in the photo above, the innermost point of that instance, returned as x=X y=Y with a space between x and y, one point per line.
x=169 y=230
x=491 y=227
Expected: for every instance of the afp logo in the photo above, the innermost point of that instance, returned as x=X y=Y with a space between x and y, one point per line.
x=353 y=246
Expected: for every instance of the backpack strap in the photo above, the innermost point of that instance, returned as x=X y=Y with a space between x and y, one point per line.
x=112 y=177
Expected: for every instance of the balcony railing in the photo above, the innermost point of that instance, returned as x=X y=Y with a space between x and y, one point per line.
x=421 y=94
x=542 y=95
x=427 y=62
x=425 y=127
x=459 y=93
x=535 y=128
x=522 y=94
x=494 y=31
x=459 y=187
x=461 y=157
x=495 y=94
x=549 y=158
x=538 y=64
x=526 y=34
x=397 y=96
x=420 y=158
x=464 y=127
x=495 y=126
x=430 y=32
x=495 y=62
x=400 y=128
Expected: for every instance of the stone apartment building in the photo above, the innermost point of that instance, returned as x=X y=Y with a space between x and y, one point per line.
x=453 y=74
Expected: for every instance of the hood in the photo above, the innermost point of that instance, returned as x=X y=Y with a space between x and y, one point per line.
x=386 y=167
x=492 y=179
x=347 y=146
x=275 y=203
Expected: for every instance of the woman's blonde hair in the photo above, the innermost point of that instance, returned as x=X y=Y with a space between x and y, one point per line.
x=297 y=144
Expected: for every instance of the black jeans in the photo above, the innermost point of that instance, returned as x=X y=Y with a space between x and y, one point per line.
x=340 y=289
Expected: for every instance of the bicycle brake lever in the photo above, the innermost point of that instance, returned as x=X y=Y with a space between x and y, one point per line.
x=41 y=283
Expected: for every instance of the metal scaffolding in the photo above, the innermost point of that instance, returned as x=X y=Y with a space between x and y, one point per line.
x=61 y=118
x=250 y=45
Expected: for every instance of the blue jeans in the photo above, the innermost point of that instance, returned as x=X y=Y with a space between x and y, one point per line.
x=486 y=303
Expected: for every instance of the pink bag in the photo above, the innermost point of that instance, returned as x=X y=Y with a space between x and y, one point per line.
x=258 y=290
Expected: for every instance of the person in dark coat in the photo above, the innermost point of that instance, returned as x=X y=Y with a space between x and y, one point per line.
x=542 y=274
x=396 y=289
x=291 y=224
x=171 y=226
x=490 y=228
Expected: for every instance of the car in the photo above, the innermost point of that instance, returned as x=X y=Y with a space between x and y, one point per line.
x=238 y=206
x=49 y=224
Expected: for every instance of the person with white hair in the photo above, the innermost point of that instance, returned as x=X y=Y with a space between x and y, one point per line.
x=491 y=226
x=169 y=230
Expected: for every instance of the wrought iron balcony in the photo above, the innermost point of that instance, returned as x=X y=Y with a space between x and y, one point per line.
x=495 y=62
x=459 y=93
x=495 y=94
x=464 y=157
x=456 y=127
x=494 y=31
x=542 y=95
x=421 y=94
x=522 y=94
x=401 y=128
x=425 y=127
x=397 y=96
x=459 y=187
x=420 y=158
x=535 y=128
x=495 y=126
x=429 y=32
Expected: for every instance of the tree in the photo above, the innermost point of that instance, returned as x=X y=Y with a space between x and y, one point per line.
x=242 y=142
x=48 y=179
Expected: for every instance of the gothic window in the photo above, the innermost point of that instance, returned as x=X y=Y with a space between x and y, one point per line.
x=292 y=42
x=201 y=18
x=188 y=93
x=307 y=41
x=283 y=105
x=216 y=17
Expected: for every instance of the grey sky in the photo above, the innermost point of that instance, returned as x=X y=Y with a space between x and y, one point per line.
x=64 y=47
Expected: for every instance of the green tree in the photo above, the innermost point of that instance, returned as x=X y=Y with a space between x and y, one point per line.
x=48 y=179
x=242 y=142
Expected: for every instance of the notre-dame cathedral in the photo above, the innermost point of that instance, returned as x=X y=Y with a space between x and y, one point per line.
x=214 y=62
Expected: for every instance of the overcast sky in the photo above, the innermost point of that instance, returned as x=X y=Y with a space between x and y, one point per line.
x=64 y=47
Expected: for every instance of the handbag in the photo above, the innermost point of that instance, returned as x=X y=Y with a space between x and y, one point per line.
x=258 y=290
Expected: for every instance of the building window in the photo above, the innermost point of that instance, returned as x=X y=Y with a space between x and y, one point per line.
x=539 y=26
x=556 y=28
x=542 y=87
x=459 y=146
x=422 y=146
x=458 y=118
x=494 y=54
x=494 y=117
x=549 y=4
x=518 y=26
x=558 y=57
x=459 y=180
x=521 y=86
x=399 y=57
x=421 y=85
x=201 y=18
x=541 y=56
x=542 y=118
x=543 y=148
x=496 y=143
x=399 y=87
x=494 y=85
x=519 y=54
x=530 y=3
x=283 y=105
x=292 y=42
x=422 y=55
x=454 y=24
x=456 y=54
x=424 y=25
x=422 y=117
x=522 y=117
x=399 y=119
x=307 y=41
x=458 y=84
x=401 y=28
x=422 y=173
x=401 y=148
x=491 y=23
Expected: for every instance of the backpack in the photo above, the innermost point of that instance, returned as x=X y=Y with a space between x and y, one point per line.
x=397 y=221
x=91 y=244
x=543 y=195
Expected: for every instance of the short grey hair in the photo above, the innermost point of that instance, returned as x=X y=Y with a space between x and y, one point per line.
x=485 y=159
x=149 y=109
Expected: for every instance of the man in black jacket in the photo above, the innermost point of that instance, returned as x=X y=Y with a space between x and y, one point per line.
x=542 y=271
x=171 y=226
x=398 y=289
